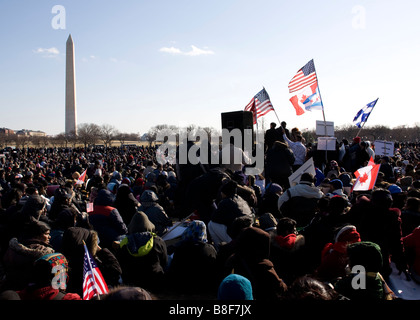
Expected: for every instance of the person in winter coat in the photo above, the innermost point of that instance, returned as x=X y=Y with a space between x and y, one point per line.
x=269 y=201
x=278 y=164
x=377 y=221
x=412 y=247
x=126 y=203
x=303 y=200
x=230 y=207
x=192 y=269
x=366 y=255
x=323 y=228
x=154 y=211
x=106 y=219
x=251 y=260
x=22 y=253
x=73 y=249
x=286 y=250
x=49 y=280
x=334 y=257
x=410 y=215
x=235 y=287
x=142 y=255
x=65 y=219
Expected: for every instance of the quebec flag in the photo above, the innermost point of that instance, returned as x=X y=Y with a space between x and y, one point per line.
x=363 y=114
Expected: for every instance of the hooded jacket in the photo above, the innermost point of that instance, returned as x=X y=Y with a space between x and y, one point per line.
x=73 y=250
x=106 y=219
x=18 y=260
x=251 y=260
x=155 y=212
x=303 y=189
x=142 y=254
x=230 y=208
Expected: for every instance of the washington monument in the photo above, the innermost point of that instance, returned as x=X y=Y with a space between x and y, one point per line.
x=71 y=116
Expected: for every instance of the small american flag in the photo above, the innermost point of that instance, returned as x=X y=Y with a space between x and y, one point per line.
x=93 y=281
x=260 y=105
x=305 y=77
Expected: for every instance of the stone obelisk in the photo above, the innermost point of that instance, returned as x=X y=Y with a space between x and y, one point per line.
x=71 y=118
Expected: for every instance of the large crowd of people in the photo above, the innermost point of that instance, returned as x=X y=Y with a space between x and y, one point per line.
x=244 y=237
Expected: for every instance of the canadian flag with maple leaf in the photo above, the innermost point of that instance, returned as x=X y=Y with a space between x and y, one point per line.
x=307 y=99
x=366 y=177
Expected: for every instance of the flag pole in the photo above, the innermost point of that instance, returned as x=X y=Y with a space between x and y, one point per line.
x=323 y=114
x=322 y=103
x=90 y=266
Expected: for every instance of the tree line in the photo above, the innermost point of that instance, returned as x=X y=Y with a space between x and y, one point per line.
x=89 y=134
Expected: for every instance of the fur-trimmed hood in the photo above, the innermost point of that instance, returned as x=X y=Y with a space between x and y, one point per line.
x=33 y=249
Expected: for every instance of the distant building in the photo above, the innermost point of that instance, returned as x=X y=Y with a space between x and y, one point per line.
x=6 y=131
x=30 y=133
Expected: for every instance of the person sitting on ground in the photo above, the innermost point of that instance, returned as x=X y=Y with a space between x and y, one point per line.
x=412 y=249
x=22 y=252
x=126 y=203
x=364 y=255
x=142 y=254
x=410 y=215
x=286 y=250
x=336 y=189
x=74 y=239
x=251 y=260
x=307 y=288
x=49 y=280
x=303 y=199
x=235 y=287
x=106 y=219
x=155 y=212
x=334 y=257
x=230 y=207
x=193 y=258
x=269 y=201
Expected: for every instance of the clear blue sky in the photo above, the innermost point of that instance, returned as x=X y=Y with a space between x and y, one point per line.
x=141 y=63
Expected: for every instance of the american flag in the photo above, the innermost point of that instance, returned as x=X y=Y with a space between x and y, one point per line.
x=305 y=77
x=260 y=105
x=93 y=281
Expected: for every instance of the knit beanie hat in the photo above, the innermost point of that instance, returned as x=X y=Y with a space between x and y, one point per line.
x=51 y=269
x=366 y=254
x=235 y=287
x=337 y=184
x=267 y=220
x=347 y=234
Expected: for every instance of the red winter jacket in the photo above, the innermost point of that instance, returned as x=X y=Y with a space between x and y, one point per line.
x=412 y=241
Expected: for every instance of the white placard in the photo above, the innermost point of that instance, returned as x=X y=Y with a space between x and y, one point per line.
x=384 y=148
x=327 y=143
x=320 y=128
x=308 y=166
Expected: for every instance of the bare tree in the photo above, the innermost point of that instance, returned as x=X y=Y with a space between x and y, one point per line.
x=88 y=133
x=107 y=133
x=122 y=137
